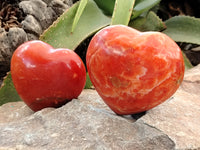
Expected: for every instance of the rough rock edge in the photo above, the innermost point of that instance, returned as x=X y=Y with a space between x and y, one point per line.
x=147 y=137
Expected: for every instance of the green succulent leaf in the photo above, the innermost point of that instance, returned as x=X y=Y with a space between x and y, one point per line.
x=149 y=23
x=79 y=12
x=59 y=34
x=8 y=92
x=187 y=63
x=107 y=7
x=122 y=12
x=183 y=29
x=88 y=84
x=142 y=6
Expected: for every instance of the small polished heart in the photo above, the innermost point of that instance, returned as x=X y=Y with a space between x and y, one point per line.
x=46 y=77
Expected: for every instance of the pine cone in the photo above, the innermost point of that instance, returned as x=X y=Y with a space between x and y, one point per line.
x=10 y=15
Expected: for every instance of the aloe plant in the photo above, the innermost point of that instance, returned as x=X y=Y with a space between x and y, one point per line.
x=121 y=15
x=183 y=29
x=86 y=23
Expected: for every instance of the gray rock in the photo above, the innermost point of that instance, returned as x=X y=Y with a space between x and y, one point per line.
x=78 y=125
x=87 y=123
x=67 y=2
x=13 y=112
x=5 y=45
x=9 y=41
x=58 y=6
x=16 y=36
x=31 y=25
x=191 y=83
x=32 y=36
x=5 y=52
x=37 y=8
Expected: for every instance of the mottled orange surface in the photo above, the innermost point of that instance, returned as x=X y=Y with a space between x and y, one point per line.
x=134 y=71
